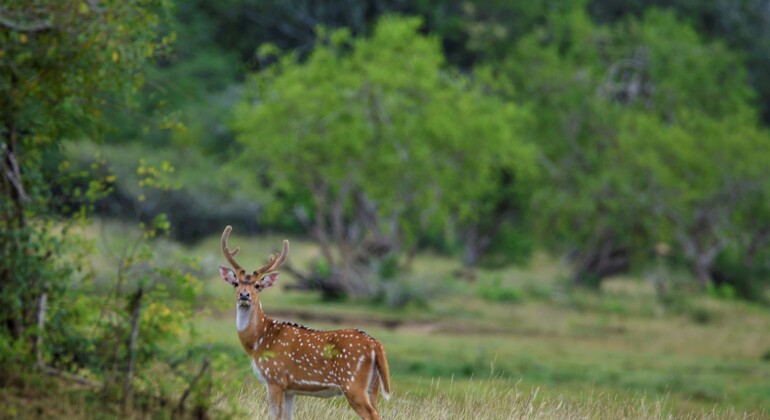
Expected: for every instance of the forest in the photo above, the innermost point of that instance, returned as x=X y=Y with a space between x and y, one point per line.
x=573 y=195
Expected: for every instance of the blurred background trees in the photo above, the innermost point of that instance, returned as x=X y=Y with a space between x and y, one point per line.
x=378 y=144
x=594 y=130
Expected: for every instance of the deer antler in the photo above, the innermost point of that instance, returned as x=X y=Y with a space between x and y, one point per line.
x=229 y=254
x=276 y=259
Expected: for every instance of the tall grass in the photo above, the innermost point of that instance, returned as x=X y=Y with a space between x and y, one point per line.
x=486 y=400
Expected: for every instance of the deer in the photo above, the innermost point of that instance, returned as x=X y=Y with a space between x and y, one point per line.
x=291 y=359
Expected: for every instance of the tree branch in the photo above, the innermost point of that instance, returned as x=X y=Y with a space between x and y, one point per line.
x=137 y=308
x=12 y=171
x=94 y=5
x=66 y=375
x=41 y=310
x=186 y=393
x=34 y=26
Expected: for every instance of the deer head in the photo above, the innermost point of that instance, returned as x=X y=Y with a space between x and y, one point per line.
x=248 y=286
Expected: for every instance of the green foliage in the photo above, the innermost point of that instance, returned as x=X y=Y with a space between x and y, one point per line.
x=59 y=62
x=743 y=25
x=493 y=290
x=55 y=78
x=724 y=291
x=738 y=277
x=630 y=135
x=379 y=119
x=62 y=63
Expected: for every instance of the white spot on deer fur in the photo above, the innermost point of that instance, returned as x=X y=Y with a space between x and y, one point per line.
x=360 y=361
x=313 y=383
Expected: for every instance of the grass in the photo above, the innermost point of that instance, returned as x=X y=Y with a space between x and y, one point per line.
x=662 y=361
x=491 y=399
x=549 y=353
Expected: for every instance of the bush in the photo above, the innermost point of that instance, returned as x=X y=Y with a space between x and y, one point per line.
x=494 y=291
x=734 y=279
x=701 y=315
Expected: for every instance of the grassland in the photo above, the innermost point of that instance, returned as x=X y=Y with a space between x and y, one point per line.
x=513 y=343
x=619 y=350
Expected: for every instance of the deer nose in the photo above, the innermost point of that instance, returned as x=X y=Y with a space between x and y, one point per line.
x=243 y=296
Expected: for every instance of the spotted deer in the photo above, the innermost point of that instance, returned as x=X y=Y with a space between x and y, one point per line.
x=291 y=359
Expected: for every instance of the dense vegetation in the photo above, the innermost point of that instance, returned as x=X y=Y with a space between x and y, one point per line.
x=626 y=137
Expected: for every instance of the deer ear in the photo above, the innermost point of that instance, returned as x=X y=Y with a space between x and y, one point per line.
x=227 y=274
x=268 y=279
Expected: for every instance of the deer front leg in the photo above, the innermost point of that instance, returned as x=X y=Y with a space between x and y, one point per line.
x=275 y=396
x=288 y=406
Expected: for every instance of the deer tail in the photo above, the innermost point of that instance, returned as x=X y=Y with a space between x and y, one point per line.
x=382 y=370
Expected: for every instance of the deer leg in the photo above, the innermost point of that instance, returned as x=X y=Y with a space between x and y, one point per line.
x=374 y=390
x=288 y=406
x=359 y=400
x=275 y=396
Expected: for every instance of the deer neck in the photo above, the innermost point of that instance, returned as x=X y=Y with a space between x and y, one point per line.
x=250 y=322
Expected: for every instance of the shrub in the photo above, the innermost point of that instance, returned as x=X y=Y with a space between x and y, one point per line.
x=494 y=291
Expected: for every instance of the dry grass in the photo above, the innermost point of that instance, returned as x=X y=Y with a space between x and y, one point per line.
x=485 y=400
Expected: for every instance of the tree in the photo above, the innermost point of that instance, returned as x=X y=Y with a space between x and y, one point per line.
x=706 y=185
x=743 y=24
x=587 y=82
x=698 y=149
x=376 y=141
x=61 y=64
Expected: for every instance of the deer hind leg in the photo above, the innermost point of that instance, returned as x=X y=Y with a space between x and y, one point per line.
x=374 y=390
x=359 y=400
x=275 y=395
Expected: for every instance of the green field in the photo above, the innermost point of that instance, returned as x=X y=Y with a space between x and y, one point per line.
x=513 y=343
x=620 y=351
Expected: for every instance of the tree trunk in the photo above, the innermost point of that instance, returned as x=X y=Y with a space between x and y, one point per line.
x=476 y=244
x=14 y=222
x=759 y=239
x=701 y=255
x=702 y=273
x=600 y=262
x=136 y=309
